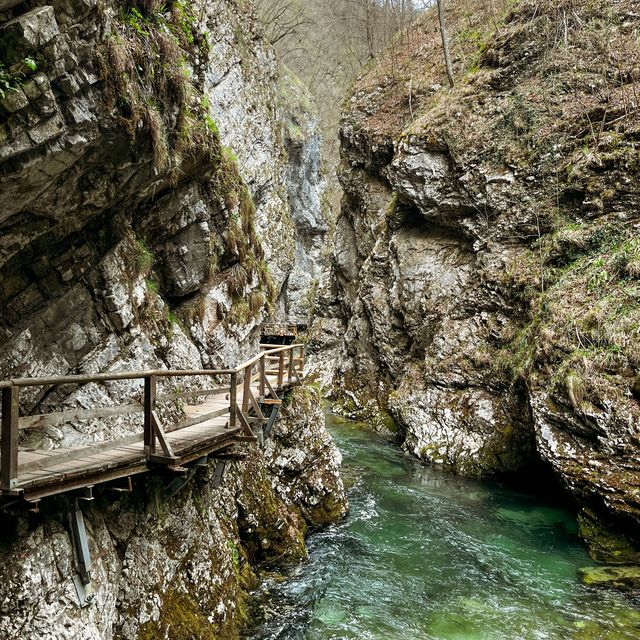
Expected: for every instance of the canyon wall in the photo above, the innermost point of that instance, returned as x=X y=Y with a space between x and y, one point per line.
x=155 y=190
x=145 y=187
x=483 y=293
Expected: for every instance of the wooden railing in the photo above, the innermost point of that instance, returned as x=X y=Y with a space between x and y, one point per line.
x=279 y=329
x=273 y=369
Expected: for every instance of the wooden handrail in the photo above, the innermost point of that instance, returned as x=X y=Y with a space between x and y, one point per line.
x=249 y=363
x=111 y=377
x=271 y=348
x=140 y=375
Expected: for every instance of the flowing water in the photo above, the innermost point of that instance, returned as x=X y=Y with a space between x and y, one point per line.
x=424 y=555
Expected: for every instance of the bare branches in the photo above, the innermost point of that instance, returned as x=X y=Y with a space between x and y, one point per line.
x=281 y=18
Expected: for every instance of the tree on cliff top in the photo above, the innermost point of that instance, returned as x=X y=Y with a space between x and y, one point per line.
x=445 y=42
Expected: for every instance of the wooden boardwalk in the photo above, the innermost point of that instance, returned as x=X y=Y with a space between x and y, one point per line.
x=233 y=410
x=277 y=333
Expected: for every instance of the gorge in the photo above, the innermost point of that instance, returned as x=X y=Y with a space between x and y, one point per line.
x=165 y=198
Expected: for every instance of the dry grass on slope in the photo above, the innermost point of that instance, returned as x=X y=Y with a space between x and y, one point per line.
x=527 y=69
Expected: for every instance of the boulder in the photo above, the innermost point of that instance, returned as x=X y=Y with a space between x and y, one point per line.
x=27 y=33
x=623 y=577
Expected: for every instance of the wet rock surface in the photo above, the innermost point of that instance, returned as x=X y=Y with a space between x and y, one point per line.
x=626 y=578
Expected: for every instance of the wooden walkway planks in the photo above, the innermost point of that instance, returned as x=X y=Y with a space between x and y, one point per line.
x=209 y=427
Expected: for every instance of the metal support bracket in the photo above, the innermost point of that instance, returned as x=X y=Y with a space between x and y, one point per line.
x=84 y=493
x=275 y=410
x=122 y=485
x=82 y=580
x=218 y=473
x=173 y=487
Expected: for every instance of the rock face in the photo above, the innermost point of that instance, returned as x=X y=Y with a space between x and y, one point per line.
x=146 y=222
x=146 y=218
x=186 y=204
x=305 y=188
x=179 y=566
x=483 y=290
x=304 y=460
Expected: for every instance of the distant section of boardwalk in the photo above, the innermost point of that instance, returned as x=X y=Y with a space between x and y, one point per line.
x=234 y=409
x=280 y=333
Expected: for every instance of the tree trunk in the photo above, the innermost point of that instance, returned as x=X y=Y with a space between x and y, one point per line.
x=445 y=42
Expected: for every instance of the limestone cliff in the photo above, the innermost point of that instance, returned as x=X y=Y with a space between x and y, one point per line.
x=148 y=221
x=484 y=290
x=175 y=566
x=305 y=189
x=146 y=217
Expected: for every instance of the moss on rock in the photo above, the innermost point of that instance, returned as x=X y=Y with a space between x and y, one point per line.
x=183 y=618
x=621 y=577
x=606 y=543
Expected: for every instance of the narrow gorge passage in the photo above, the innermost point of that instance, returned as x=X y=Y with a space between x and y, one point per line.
x=425 y=555
x=437 y=202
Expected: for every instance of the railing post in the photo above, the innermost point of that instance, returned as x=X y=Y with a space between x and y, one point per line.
x=263 y=375
x=291 y=364
x=233 y=400
x=9 y=446
x=246 y=390
x=149 y=408
x=280 y=369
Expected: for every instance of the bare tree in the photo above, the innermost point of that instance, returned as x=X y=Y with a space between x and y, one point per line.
x=281 y=18
x=445 y=42
x=327 y=43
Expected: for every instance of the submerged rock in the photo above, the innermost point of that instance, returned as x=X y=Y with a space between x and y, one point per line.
x=621 y=577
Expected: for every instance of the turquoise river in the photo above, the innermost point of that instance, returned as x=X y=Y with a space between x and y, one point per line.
x=427 y=555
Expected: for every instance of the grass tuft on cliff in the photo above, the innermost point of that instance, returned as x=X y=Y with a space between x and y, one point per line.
x=151 y=64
